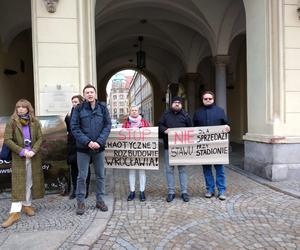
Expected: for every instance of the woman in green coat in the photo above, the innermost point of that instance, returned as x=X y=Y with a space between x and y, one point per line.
x=23 y=136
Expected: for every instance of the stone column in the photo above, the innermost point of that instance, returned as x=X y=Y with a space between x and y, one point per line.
x=220 y=66
x=272 y=143
x=63 y=53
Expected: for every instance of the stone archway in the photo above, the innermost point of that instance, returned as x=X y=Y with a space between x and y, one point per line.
x=17 y=75
x=157 y=95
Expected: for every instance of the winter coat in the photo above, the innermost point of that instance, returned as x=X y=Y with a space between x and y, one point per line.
x=13 y=138
x=71 y=142
x=171 y=119
x=89 y=124
x=210 y=116
x=127 y=123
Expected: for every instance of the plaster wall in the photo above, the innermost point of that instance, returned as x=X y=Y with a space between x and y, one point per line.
x=63 y=58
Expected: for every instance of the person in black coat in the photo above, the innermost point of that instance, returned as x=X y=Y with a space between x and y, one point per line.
x=71 y=149
x=175 y=117
x=212 y=115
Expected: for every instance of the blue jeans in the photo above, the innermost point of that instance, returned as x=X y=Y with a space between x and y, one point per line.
x=210 y=181
x=170 y=176
x=83 y=161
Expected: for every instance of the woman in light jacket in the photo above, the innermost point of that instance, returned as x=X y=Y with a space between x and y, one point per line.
x=136 y=121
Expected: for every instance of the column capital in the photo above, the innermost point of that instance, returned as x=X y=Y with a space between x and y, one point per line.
x=221 y=59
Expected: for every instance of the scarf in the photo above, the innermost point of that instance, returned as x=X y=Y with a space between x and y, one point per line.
x=24 y=119
x=135 y=122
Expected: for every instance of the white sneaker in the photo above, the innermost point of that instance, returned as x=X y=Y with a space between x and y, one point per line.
x=222 y=197
x=209 y=195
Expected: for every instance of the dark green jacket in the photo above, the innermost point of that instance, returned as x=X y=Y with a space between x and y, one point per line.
x=13 y=138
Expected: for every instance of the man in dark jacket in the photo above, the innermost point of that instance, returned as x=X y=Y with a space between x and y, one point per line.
x=212 y=115
x=175 y=117
x=90 y=125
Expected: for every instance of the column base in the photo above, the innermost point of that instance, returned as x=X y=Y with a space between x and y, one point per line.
x=275 y=162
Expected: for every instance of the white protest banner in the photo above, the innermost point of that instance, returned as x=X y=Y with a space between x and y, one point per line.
x=132 y=148
x=198 y=146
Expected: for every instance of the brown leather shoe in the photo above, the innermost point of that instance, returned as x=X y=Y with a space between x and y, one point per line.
x=80 y=208
x=28 y=210
x=101 y=205
x=13 y=217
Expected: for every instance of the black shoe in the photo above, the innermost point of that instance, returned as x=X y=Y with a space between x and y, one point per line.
x=86 y=195
x=72 y=195
x=80 y=208
x=131 y=196
x=142 y=196
x=170 y=197
x=185 y=197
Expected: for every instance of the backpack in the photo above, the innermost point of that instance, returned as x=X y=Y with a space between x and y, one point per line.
x=5 y=153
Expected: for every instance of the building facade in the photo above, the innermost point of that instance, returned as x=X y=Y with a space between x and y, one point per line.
x=140 y=94
x=244 y=50
x=118 y=102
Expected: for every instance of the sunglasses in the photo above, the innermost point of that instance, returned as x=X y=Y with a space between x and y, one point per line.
x=207 y=99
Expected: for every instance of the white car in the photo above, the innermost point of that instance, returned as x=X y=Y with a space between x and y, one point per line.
x=114 y=123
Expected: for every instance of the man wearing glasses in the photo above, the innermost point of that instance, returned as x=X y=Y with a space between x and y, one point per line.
x=212 y=115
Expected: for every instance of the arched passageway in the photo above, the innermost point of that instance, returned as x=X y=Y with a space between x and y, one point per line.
x=129 y=88
x=16 y=76
x=189 y=46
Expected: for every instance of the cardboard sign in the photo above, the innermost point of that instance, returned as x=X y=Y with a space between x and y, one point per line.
x=132 y=148
x=198 y=146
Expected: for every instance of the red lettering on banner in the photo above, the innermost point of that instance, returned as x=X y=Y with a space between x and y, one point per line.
x=121 y=135
x=183 y=137
x=190 y=136
x=134 y=135
x=146 y=132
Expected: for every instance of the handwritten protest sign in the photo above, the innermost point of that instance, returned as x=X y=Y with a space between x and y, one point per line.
x=198 y=145
x=132 y=148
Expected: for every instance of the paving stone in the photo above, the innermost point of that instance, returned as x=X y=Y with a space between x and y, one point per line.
x=254 y=216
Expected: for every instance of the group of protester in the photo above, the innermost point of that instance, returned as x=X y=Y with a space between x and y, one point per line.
x=88 y=126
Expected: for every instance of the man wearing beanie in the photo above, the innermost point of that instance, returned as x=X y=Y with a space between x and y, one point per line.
x=175 y=117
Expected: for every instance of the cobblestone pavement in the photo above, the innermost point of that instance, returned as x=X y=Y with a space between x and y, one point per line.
x=54 y=212
x=253 y=217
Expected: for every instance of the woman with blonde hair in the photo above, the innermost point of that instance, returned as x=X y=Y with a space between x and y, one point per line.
x=23 y=136
x=135 y=120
